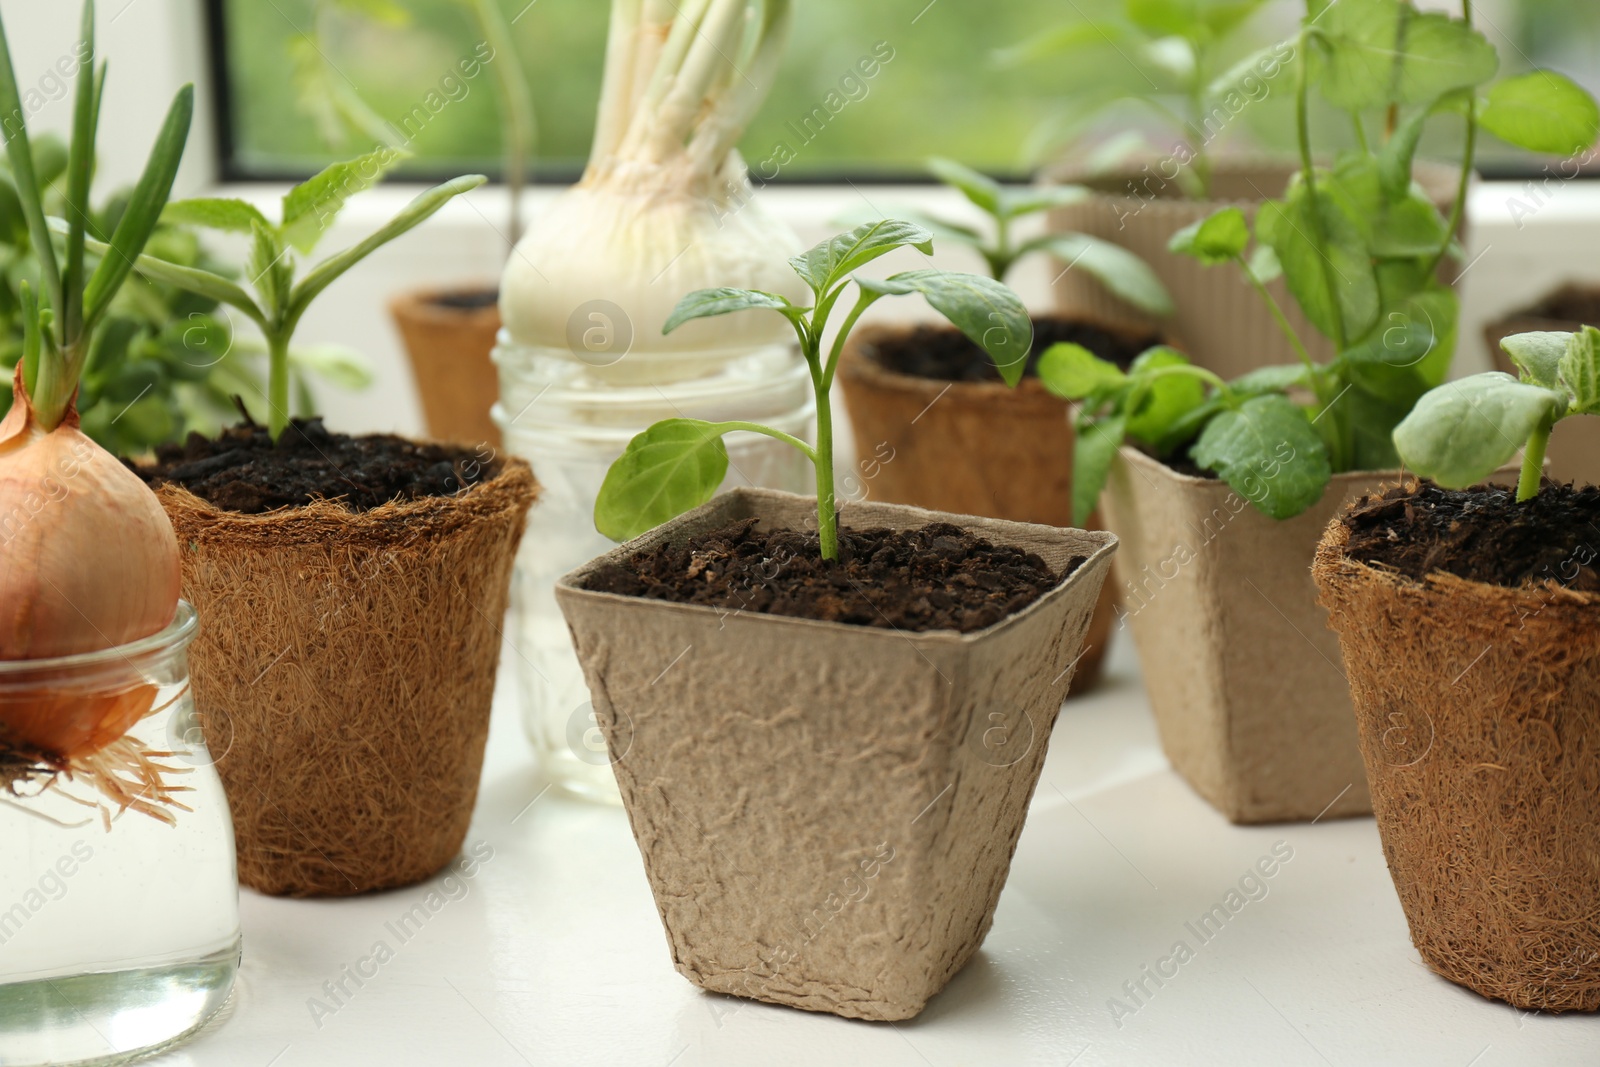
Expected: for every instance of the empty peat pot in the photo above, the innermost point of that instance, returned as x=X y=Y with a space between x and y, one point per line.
x=964 y=442
x=1479 y=713
x=344 y=671
x=827 y=812
x=449 y=335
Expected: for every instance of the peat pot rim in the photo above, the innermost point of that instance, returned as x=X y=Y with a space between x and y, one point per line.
x=1332 y=565
x=1148 y=463
x=860 y=362
x=866 y=515
x=419 y=304
x=398 y=521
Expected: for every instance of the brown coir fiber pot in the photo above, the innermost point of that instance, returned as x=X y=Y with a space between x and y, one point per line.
x=1479 y=716
x=968 y=448
x=827 y=813
x=448 y=335
x=344 y=671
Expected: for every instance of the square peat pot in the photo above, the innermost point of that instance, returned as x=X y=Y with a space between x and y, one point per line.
x=1244 y=676
x=827 y=812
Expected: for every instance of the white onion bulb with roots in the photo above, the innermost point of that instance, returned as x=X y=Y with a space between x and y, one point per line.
x=665 y=206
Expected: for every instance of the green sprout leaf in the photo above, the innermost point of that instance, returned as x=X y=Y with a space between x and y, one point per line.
x=1163 y=399
x=1538 y=355
x=1379 y=52
x=1541 y=111
x=981 y=189
x=1462 y=432
x=310 y=207
x=1218 y=238
x=1290 y=227
x=1579 y=370
x=673 y=467
x=1122 y=272
x=1016 y=203
x=704 y=303
x=1072 y=372
x=829 y=263
x=217 y=213
x=985 y=310
x=1093 y=451
x=1269 y=453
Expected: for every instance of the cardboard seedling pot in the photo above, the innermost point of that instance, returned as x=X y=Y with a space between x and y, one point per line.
x=827 y=812
x=1479 y=714
x=1225 y=325
x=1574 y=454
x=1243 y=676
x=448 y=337
x=343 y=673
x=969 y=448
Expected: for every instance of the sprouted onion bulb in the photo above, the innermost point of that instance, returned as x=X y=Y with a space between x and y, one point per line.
x=665 y=206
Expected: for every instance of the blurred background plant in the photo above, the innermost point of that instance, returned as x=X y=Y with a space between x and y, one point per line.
x=164 y=363
x=999 y=117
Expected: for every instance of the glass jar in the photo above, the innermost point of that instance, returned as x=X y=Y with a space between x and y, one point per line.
x=571 y=425
x=119 y=922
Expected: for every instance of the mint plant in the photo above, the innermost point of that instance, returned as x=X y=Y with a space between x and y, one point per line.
x=1359 y=246
x=1462 y=432
x=280 y=300
x=1118 y=269
x=677 y=464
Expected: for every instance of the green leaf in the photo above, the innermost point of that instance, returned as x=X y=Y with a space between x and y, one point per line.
x=1409 y=350
x=1163 y=18
x=1222 y=19
x=1396 y=155
x=826 y=265
x=1218 y=238
x=14 y=128
x=1462 y=432
x=981 y=189
x=80 y=172
x=1290 y=228
x=1580 y=370
x=1377 y=52
x=1408 y=227
x=310 y=207
x=190 y=279
x=144 y=208
x=704 y=303
x=1093 y=450
x=1541 y=111
x=673 y=467
x=1369 y=420
x=1072 y=372
x=1253 y=70
x=1159 y=401
x=1269 y=453
x=217 y=213
x=1538 y=355
x=269 y=267
x=1263 y=265
x=985 y=310
x=1278 y=379
x=1122 y=272
x=1016 y=203
x=414 y=213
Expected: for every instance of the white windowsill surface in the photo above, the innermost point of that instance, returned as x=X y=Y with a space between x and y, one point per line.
x=553 y=953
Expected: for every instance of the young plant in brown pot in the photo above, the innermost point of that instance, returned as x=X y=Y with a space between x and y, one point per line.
x=1575 y=455
x=826 y=724
x=1469 y=616
x=937 y=428
x=352 y=589
x=1225 y=486
x=448 y=330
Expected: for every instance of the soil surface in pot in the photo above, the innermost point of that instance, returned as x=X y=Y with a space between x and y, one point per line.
x=243 y=470
x=1482 y=534
x=937 y=577
x=466 y=300
x=947 y=354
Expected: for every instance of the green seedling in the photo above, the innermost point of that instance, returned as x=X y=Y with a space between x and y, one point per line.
x=1358 y=245
x=678 y=464
x=1463 y=431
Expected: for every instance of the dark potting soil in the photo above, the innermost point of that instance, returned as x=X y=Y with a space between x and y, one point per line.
x=945 y=353
x=937 y=577
x=243 y=470
x=466 y=300
x=1482 y=534
x=1572 y=304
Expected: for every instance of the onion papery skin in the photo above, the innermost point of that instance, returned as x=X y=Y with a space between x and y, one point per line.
x=638 y=237
x=88 y=559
